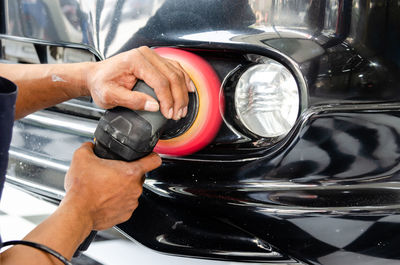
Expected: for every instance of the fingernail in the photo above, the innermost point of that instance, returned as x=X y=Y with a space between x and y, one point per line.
x=170 y=113
x=192 y=87
x=184 y=111
x=151 y=105
x=179 y=115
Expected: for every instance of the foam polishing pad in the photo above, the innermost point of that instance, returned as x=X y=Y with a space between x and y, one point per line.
x=208 y=120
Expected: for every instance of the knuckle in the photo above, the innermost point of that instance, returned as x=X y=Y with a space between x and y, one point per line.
x=107 y=97
x=177 y=64
x=157 y=160
x=136 y=53
x=166 y=101
x=135 y=205
x=133 y=170
x=140 y=71
x=176 y=77
x=164 y=84
x=139 y=170
x=185 y=102
x=79 y=153
x=143 y=48
x=137 y=191
x=125 y=217
x=182 y=103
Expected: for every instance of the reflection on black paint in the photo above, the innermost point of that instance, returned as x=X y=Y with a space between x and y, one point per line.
x=178 y=17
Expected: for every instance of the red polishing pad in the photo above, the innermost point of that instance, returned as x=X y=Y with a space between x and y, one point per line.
x=208 y=120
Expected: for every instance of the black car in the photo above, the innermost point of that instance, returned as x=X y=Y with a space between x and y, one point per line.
x=298 y=108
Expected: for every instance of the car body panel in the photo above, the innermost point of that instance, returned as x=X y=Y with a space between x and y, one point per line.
x=326 y=193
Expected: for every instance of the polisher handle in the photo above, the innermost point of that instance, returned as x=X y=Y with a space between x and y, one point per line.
x=126 y=134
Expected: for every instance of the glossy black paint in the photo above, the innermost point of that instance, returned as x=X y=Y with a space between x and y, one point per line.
x=327 y=193
x=330 y=195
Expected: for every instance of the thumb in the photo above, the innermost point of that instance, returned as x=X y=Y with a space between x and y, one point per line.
x=87 y=147
x=135 y=100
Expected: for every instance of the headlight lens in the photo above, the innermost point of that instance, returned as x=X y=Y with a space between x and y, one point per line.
x=267 y=99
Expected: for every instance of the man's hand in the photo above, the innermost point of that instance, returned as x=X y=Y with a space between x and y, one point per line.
x=105 y=192
x=110 y=83
x=100 y=194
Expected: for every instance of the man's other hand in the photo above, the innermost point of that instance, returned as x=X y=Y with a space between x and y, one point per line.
x=105 y=192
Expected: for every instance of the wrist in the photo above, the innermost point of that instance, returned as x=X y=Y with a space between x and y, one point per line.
x=76 y=210
x=86 y=71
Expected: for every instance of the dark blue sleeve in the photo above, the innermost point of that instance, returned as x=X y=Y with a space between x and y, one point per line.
x=8 y=95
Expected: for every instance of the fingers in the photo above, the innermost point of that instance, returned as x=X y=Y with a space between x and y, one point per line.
x=138 y=167
x=169 y=82
x=149 y=163
x=136 y=170
x=132 y=99
x=189 y=82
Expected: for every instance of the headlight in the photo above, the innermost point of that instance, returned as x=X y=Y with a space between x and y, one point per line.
x=267 y=99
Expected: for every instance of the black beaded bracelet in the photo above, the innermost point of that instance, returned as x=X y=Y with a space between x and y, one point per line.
x=38 y=246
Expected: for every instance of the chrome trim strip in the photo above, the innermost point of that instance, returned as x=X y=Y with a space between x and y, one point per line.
x=54 y=193
x=62 y=122
x=82 y=106
x=54 y=43
x=38 y=160
x=368 y=210
x=285 y=186
x=355 y=106
x=272 y=254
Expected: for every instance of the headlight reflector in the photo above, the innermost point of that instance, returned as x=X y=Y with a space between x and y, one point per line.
x=267 y=99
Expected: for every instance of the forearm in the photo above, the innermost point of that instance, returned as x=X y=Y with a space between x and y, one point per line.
x=44 y=85
x=63 y=231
